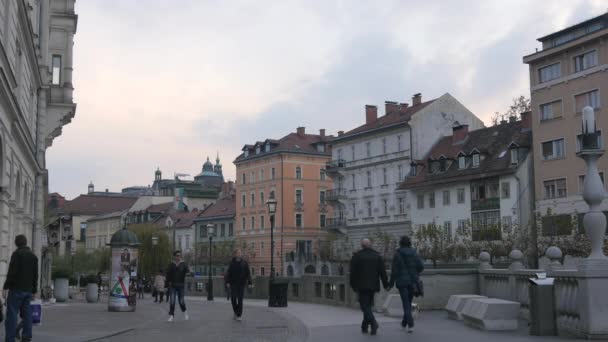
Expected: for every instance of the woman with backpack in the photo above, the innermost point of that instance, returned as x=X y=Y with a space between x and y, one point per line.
x=405 y=272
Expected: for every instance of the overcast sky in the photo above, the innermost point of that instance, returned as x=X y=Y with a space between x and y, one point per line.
x=168 y=83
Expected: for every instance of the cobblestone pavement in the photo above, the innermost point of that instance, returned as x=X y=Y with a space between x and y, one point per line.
x=212 y=321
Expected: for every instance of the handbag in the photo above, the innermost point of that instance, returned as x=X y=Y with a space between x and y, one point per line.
x=418 y=285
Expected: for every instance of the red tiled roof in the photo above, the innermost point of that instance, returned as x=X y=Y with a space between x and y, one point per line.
x=160 y=208
x=223 y=207
x=490 y=142
x=292 y=143
x=184 y=219
x=97 y=205
x=388 y=120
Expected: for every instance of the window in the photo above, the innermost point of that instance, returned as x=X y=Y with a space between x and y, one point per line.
x=369 y=208
x=299 y=196
x=354 y=208
x=252 y=200
x=252 y=223
x=368 y=149
x=272 y=173
x=261 y=175
x=353 y=181
x=369 y=179
x=262 y=253
x=420 y=201
x=432 y=200
x=442 y=164
x=385 y=206
x=399 y=143
x=383 y=145
x=581 y=182
x=434 y=166
x=598 y=142
x=298 y=220
x=401 y=205
x=384 y=176
x=352 y=152
x=555 y=188
x=557 y=225
x=252 y=177
x=446 y=197
x=506 y=223
x=246 y=153
x=243 y=201
x=244 y=179
x=222 y=230
x=56 y=72
x=321 y=148
x=462 y=162
x=486 y=226
x=514 y=153
x=476 y=160
x=267 y=147
x=551 y=110
x=180 y=242
x=506 y=189
x=460 y=195
x=553 y=149
x=262 y=199
x=585 y=61
x=322 y=174
x=340 y=154
x=262 y=223
x=230 y=229
x=188 y=241
x=413 y=170
x=400 y=168
x=462 y=226
x=298 y=172
x=257 y=150
x=322 y=220
x=447 y=229
x=590 y=98
x=244 y=224
x=322 y=196
x=549 y=73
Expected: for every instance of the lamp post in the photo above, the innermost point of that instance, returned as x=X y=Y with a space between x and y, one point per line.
x=210 y=232
x=594 y=220
x=272 y=209
x=154 y=261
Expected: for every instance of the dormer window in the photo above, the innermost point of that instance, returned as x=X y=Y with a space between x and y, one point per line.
x=476 y=160
x=246 y=153
x=462 y=162
x=514 y=155
x=257 y=150
x=434 y=165
x=321 y=148
x=267 y=148
x=413 y=169
x=442 y=164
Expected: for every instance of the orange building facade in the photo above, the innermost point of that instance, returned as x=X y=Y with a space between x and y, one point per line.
x=293 y=170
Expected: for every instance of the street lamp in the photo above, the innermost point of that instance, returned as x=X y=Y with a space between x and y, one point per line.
x=272 y=209
x=210 y=232
x=154 y=261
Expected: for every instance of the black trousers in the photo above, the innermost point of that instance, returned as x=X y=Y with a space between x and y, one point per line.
x=366 y=301
x=236 y=296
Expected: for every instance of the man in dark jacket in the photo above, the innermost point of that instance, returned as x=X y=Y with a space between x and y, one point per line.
x=366 y=271
x=404 y=273
x=237 y=278
x=176 y=279
x=21 y=285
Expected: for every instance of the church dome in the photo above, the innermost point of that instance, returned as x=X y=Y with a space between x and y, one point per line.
x=208 y=166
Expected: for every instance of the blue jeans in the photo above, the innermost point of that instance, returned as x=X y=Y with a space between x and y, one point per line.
x=176 y=291
x=16 y=303
x=407 y=294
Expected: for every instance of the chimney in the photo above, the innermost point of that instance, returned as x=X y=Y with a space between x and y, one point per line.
x=340 y=133
x=371 y=113
x=390 y=107
x=403 y=107
x=526 y=120
x=322 y=132
x=512 y=119
x=459 y=133
x=301 y=131
x=107 y=190
x=416 y=99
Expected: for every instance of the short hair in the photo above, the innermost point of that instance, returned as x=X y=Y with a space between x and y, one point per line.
x=405 y=241
x=366 y=243
x=236 y=250
x=177 y=252
x=20 y=240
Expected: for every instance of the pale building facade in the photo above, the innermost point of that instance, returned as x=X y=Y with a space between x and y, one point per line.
x=369 y=162
x=568 y=74
x=35 y=103
x=101 y=228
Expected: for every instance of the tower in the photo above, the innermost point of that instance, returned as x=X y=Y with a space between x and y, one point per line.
x=158 y=174
x=218 y=167
x=91 y=187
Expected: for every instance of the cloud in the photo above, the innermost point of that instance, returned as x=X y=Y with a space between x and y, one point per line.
x=166 y=85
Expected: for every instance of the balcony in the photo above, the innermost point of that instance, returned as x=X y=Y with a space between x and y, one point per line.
x=335 y=222
x=485 y=204
x=335 y=195
x=335 y=166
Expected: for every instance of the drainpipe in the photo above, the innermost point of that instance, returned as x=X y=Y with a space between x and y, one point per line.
x=282 y=215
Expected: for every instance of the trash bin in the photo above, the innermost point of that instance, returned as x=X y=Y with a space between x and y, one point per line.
x=277 y=293
x=542 y=306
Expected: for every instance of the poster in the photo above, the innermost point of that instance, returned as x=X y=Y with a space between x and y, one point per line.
x=123 y=292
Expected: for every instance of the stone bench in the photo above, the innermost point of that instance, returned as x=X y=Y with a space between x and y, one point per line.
x=394 y=308
x=456 y=304
x=491 y=314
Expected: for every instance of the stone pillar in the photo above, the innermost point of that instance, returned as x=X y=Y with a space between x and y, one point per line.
x=484 y=264
x=516 y=257
x=555 y=255
x=68 y=88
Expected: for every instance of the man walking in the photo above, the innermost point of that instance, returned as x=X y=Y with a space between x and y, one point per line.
x=176 y=278
x=237 y=278
x=21 y=286
x=366 y=271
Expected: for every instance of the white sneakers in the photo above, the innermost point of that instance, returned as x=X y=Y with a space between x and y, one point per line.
x=186 y=317
x=170 y=318
x=410 y=329
x=239 y=319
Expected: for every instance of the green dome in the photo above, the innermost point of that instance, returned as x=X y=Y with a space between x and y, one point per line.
x=124 y=237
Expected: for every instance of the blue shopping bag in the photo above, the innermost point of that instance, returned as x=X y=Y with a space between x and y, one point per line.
x=36 y=308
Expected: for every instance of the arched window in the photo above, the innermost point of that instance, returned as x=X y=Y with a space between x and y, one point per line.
x=310 y=269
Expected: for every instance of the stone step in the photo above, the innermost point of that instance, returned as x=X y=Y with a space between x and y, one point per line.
x=491 y=314
x=456 y=304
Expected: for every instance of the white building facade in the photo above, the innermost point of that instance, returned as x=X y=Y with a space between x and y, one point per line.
x=36 y=39
x=369 y=162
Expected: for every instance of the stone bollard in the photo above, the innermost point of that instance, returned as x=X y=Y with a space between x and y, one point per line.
x=554 y=254
x=484 y=261
x=516 y=257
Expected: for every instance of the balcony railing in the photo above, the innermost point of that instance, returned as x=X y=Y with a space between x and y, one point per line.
x=335 y=222
x=485 y=204
x=335 y=194
x=335 y=166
